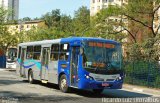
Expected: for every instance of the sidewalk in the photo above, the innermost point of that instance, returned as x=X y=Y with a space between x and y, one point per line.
x=141 y=89
x=7 y=69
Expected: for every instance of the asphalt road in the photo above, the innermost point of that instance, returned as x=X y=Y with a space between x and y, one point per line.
x=13 y=89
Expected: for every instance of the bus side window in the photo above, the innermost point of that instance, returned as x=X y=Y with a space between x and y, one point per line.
x=54 y=52
x=29 y=55
x=54 y=56
x=37 y=52
x=19 y=52
x=64 y=49
x=29 y=52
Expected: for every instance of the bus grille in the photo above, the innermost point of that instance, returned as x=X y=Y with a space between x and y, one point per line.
x=99 y=79
x=110 y=80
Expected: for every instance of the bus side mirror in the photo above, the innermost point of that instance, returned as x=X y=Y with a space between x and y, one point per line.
x=81 y=51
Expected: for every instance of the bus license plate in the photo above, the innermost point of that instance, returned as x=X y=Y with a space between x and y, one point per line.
x=105 y=84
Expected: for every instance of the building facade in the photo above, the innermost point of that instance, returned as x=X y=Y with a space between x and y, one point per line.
x=13 y=8
x=96 y=5
x=26 y=26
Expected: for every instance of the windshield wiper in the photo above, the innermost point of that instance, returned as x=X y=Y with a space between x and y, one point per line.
x=96 y=68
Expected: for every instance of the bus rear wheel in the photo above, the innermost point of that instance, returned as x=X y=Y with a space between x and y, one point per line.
x=63 y=84
x=30 y=77
x=97 y=91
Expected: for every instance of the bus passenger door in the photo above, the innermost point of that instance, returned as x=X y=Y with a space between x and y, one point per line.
x=45 y=61
x=74 y=66
x=22 y=58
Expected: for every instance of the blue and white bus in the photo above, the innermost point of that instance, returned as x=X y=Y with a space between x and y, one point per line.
x=11 y=57
x=77 y=62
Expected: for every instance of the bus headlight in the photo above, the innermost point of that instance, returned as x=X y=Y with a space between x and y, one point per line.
x=89 y=77
x=119 y=78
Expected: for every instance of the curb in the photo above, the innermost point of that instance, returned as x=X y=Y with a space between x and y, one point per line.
x=141 y=89
x=6 y=69
x=2 y=69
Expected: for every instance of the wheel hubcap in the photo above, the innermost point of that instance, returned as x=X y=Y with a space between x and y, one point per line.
x=30 y=78
x=63 y=83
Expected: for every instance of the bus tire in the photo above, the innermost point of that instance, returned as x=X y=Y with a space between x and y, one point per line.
x=30 y=77
x=97 y=91
x=63 y=84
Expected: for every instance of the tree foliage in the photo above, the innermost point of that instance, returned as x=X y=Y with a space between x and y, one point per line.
x=6 y=38
x=66 y=24
x=81 y=21
x=26 y=19
x=52 y=18
x=135 y=21
x=136 y=18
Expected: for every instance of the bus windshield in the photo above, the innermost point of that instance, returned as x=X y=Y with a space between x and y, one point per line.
x=101 y=58
x=11 y=55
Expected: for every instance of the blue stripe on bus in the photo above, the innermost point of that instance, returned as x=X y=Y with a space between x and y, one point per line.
x=26 y=66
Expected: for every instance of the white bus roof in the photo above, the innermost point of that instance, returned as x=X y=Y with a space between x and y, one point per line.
x=40 y=42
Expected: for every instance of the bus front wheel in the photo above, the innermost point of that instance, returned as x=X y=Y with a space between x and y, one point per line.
x=30 y=77
x=63 y=84
x=97 y=91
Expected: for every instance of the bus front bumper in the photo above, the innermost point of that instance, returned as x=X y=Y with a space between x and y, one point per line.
x=11 y=65
x=91 y=84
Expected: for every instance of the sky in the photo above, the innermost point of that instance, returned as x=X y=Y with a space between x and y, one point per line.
x=37 y=8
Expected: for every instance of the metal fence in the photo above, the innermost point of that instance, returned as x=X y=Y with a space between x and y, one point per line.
x=142 y=73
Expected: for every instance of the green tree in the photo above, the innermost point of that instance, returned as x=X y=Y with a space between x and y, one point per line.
x=108 y=24
x=81 y=21
x=3 y=14
x=66 y=24
x=142 y=16
x=61 y=25
x=26 y=19
x=52 y=18
x=6 y=38
x=134 y=20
